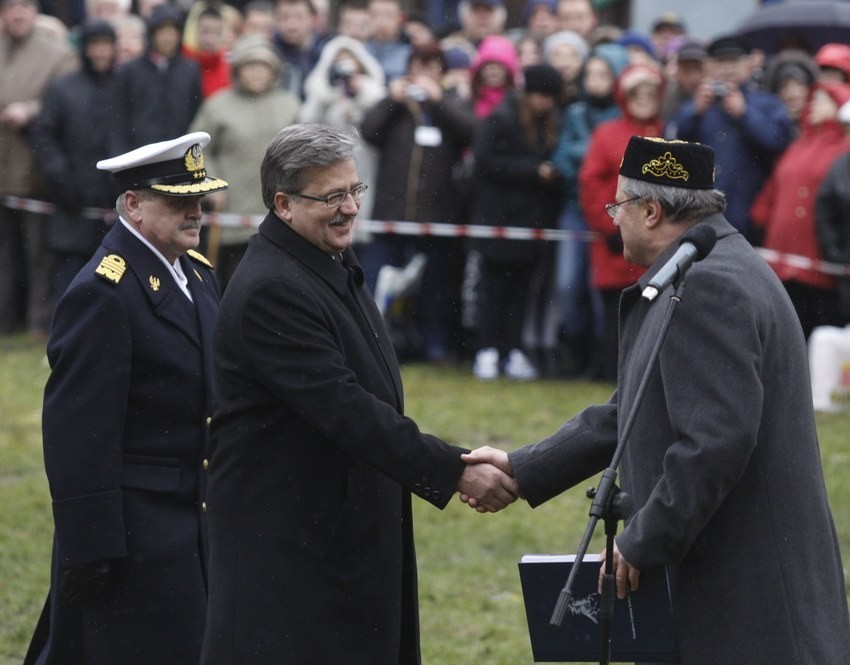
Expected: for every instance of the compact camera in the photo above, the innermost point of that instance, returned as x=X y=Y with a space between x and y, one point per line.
x=342 y=71
x=416 y=93
x=719 y=89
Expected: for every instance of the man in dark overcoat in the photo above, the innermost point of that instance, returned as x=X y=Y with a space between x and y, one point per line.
x=313 y=464
x=159 y=92
x=722 y=462
x=125 y=426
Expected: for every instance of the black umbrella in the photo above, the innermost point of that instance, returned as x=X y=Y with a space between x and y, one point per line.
x=806 y=24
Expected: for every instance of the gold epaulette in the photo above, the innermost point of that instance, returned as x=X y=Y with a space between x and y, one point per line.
x=111 y=268
x=200 y=258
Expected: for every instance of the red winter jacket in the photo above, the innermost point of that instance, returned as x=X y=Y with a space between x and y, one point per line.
x=785 y=207
x=597 y=186
x=215 y=70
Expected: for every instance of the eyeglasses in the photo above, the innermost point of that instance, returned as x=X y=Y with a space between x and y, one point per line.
x=611 y=208
x=335 y=200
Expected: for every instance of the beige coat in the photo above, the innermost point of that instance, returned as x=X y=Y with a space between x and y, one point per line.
x=26 y=67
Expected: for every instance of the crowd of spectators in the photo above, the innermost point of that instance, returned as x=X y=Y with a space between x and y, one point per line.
x=463 y=120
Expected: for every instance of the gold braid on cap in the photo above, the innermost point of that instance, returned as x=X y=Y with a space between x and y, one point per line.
x=194 y=161
x=666 y=166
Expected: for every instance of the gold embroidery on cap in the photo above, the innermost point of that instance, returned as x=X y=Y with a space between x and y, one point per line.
x=666 y=166
x=154 y=281
x=111 y=268
x=194 y=158
x=195 y=188
x=658 y=139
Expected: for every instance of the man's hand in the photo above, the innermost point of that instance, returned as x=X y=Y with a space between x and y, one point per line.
x=488 y=455
x=486 y=488
x=494 y=457
x=625 y=575
x=734 y=102
x=84 y=583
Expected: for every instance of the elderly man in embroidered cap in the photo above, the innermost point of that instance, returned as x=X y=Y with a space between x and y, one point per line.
x=722 y=462
x=125 y=425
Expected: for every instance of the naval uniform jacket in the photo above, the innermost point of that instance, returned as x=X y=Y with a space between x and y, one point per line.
x=313 y=465
x=125 y=442
x=722 y=464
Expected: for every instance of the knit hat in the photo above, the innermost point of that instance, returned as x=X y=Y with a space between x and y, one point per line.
x=95 y=28
x=633 y=38
x=543 y=79
x=254 y=48
x=532 y=5
x=633 y=75
x=164 y=15
x=615 y=55
x=835 y=56
x=457 y=58
x=568 y=37
x=671 y=163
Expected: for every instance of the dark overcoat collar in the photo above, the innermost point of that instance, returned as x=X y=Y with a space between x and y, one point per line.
x=328 y=268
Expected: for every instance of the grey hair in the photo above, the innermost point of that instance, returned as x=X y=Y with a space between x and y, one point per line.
x=121 y=205
x=681 y=204
x=298 y=148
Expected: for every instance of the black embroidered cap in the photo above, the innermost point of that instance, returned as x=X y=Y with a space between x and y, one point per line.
x=670 y=163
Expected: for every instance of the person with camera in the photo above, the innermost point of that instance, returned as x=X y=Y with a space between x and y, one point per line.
x=748 y=128
x=420 y=131
x=344 y=84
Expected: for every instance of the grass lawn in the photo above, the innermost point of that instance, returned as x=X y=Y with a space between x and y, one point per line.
x=471 y=606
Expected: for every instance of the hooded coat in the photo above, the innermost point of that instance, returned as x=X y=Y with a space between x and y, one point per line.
x=598 y=183
x=157 y=97
x=785 y=207
x=501 y=51
x=71 y=134
x=329 y=100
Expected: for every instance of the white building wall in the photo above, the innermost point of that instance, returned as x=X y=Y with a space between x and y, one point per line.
x=704 y=19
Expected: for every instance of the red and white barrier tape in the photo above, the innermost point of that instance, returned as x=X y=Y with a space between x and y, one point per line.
x=230 y=220
x=45 y=208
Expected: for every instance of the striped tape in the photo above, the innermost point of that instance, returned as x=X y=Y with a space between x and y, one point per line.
x=231 y=220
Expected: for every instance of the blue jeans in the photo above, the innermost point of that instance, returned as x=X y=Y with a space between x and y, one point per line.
x=579 y=302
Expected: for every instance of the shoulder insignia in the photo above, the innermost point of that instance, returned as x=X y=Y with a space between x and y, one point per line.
x=111 y=268
x=200 y=258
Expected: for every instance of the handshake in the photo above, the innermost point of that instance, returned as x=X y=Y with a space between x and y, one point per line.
x=487 y=483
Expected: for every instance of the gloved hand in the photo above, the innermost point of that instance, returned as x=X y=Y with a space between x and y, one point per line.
x=615 y=243
x=84 y=583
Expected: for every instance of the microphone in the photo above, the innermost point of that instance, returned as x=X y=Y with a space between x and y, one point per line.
x=695 y=245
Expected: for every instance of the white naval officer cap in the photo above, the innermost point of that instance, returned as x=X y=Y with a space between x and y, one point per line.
x=173 y=168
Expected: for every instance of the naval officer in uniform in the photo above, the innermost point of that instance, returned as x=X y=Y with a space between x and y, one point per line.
x=125 y=425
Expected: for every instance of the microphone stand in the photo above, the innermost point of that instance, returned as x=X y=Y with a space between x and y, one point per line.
x=611 y=504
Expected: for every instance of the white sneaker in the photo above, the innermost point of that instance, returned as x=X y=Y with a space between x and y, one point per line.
x=486 y=364
x=519 y=367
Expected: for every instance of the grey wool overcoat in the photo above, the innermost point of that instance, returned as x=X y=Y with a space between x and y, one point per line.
x=723 y=466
